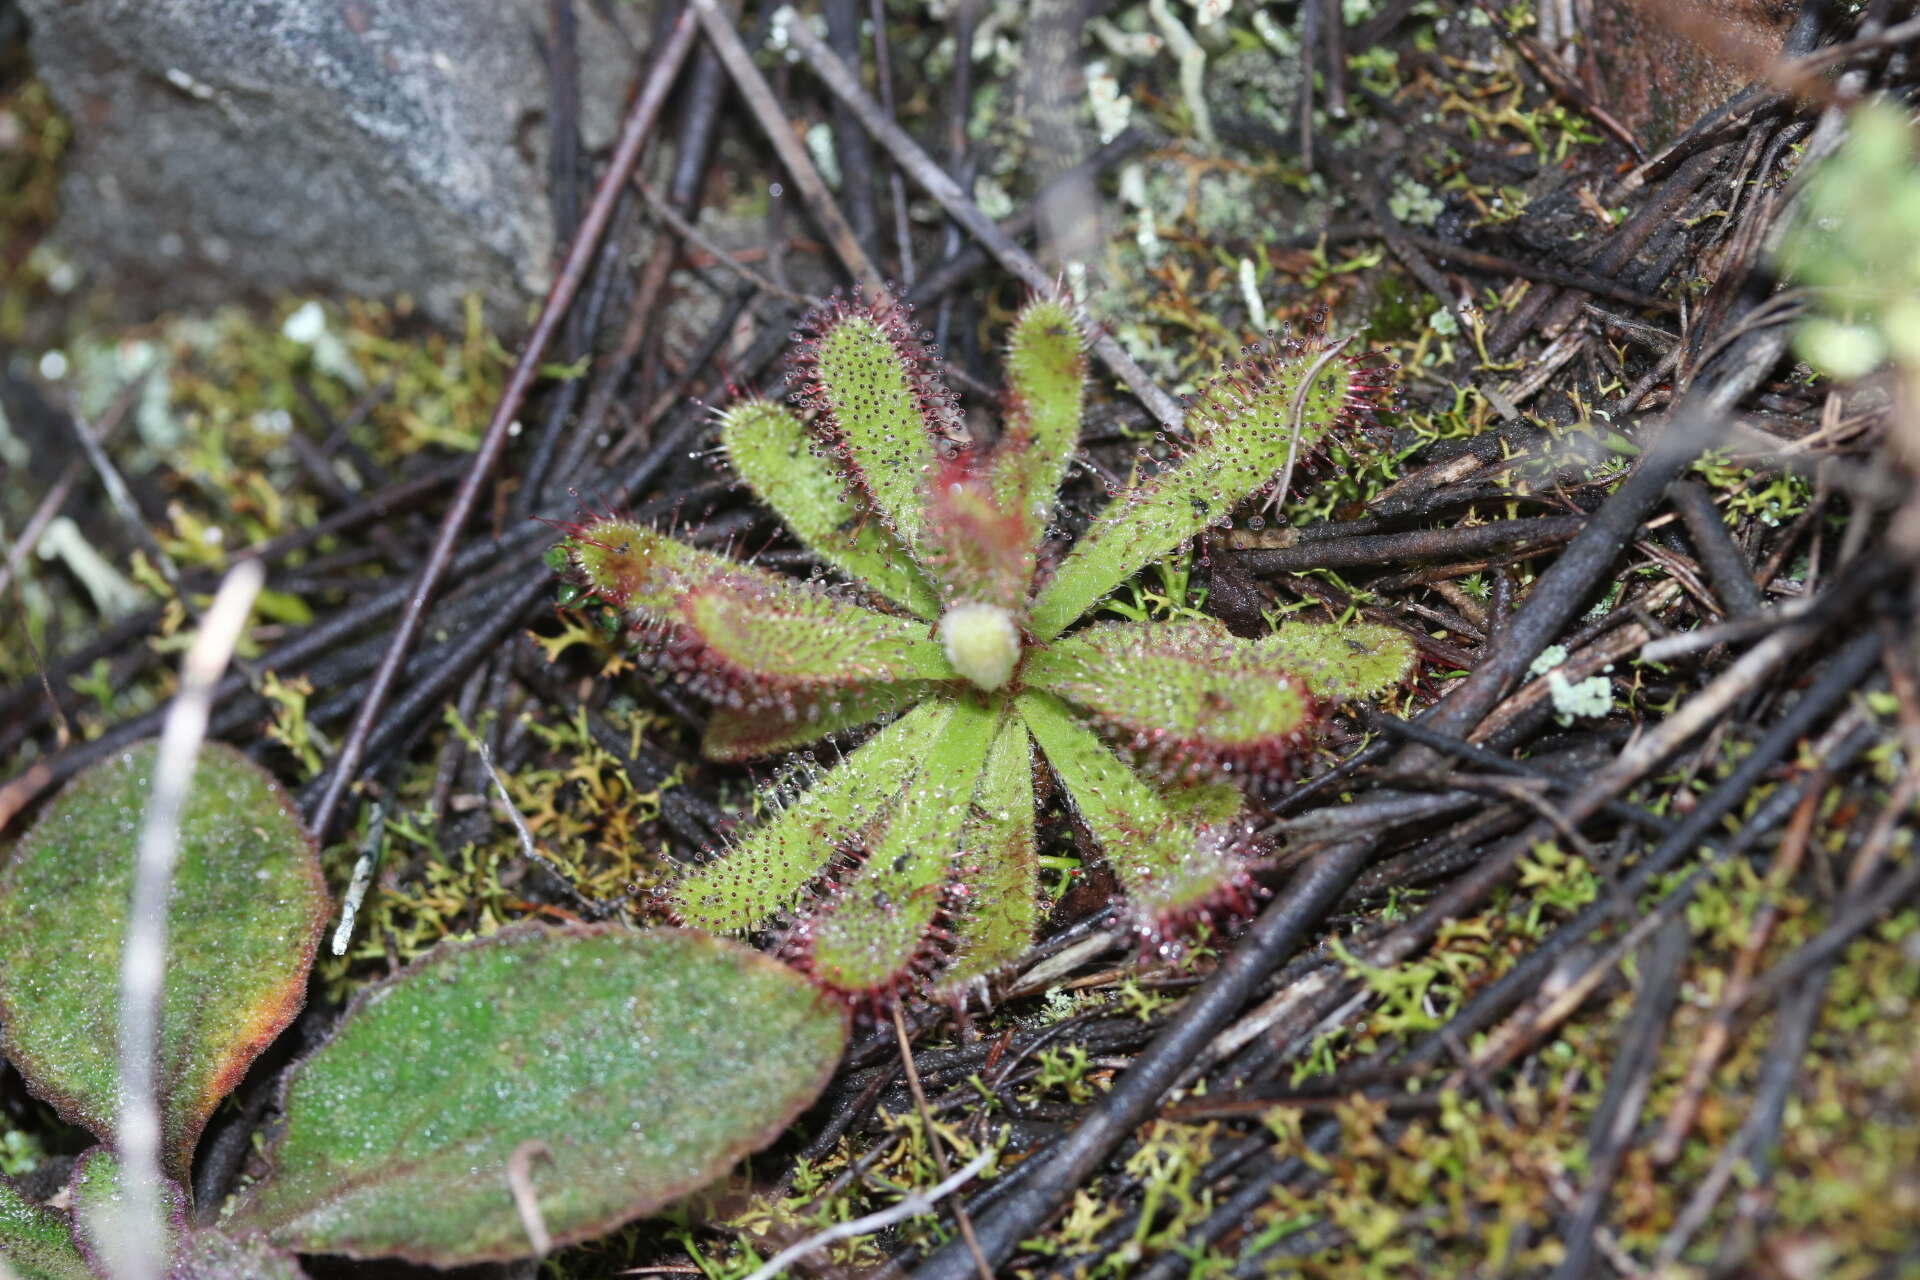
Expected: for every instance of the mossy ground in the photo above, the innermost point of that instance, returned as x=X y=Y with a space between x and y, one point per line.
x=1207 y=248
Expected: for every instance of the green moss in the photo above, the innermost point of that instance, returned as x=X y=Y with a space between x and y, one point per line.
x=30 y=175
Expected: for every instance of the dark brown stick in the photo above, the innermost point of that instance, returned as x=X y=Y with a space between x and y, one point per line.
x=1585 y=281
x=1727 y=568
x=1663 y=964
x=1424 y=544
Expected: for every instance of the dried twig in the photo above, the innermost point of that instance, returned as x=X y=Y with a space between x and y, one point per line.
x=1611 y=1130
x=686 y=230
x=1046 y=1180
x=1426 y=544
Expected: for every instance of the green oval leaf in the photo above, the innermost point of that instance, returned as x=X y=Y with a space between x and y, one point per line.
x=213 y=1255
x=36 y=1242
x=246 y=913
x=96 y=1188
x=642 y=1064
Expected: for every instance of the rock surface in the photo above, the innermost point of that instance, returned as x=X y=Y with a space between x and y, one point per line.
x=229 y=147
x=1662 y=67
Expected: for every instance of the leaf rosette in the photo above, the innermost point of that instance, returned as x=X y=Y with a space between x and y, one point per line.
x=965 y=632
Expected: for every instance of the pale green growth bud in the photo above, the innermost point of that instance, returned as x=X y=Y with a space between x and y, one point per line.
x=982 y=643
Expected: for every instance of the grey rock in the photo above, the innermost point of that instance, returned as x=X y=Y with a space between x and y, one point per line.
x=225 y=148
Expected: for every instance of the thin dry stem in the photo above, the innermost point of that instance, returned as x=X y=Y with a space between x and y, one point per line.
x=137 y=1238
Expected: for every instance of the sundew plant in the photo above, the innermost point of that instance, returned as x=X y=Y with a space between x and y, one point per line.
x=963 y=629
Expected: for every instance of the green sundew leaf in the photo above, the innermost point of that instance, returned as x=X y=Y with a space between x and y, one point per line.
x=246 y=913
x=1341 y=663
x=1167 y=865
x=879 y=403
x=770 y=449
x=760 y=729
x=1047 y=385
x=866 y=936
x=745 y=626
x=1245 y=427
x=801 y=636
x=644 y=1064
x=36 y=1243
x=999 y=868
x=639 y=569
x=773 y=863
x=1178 y=689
